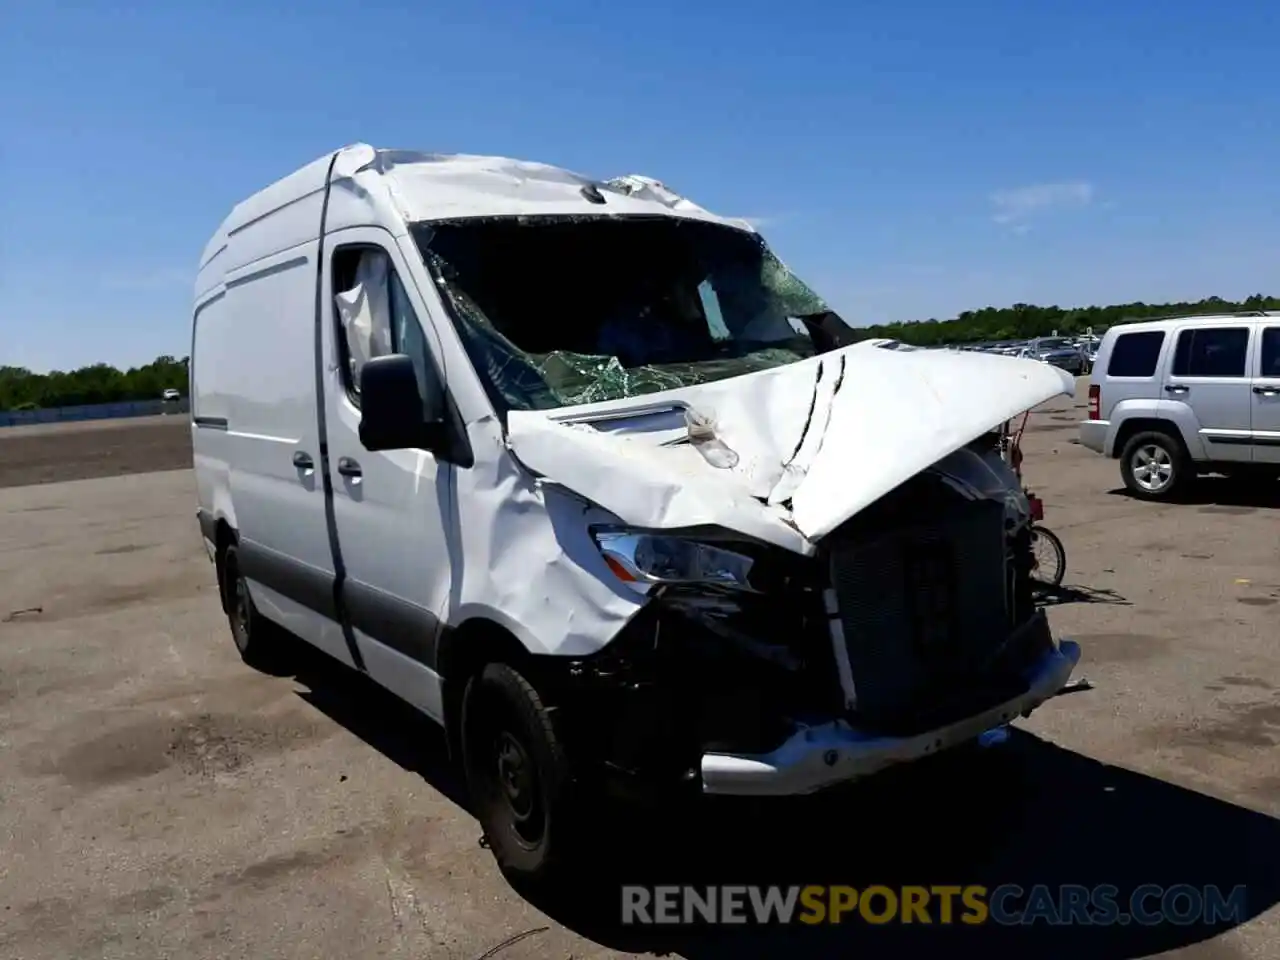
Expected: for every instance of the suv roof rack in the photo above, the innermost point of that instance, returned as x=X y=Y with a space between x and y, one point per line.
x=1223 y=314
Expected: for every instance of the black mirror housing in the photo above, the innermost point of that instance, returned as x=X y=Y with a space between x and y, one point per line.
x=394 y=413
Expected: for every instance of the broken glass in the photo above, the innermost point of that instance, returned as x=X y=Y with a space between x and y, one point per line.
x=558 y=311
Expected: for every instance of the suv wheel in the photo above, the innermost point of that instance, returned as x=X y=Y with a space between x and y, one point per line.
x=1153 y=465
x=517 y=774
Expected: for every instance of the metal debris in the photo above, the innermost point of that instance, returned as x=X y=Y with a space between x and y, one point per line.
x=510 y=940
x=25 y=612
x=1075 y=686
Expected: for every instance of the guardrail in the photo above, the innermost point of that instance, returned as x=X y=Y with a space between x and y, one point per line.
x=94 y=411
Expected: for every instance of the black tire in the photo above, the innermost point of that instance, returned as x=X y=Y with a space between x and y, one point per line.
x=1050 y=557
x=255 y=637
x=1153 y=465
x=518 y=776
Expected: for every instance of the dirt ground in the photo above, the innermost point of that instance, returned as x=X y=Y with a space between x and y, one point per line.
x=160 y=799
x=57 y=452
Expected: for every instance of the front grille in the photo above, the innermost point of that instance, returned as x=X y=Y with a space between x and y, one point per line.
x=923 y=607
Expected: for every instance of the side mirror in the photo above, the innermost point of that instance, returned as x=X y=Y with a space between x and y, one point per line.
x=394 y=413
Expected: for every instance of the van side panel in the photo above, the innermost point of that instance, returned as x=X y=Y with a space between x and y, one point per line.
x=209 y=411
x=280 y=505
x=266 y=370
x=255 y=411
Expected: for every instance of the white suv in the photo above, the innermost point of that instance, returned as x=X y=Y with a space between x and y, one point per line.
x=1177 y=397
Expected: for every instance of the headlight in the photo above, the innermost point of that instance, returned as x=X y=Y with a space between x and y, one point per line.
x=644 y=560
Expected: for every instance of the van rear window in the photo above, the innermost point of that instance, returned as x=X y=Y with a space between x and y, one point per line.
x=1136 y=354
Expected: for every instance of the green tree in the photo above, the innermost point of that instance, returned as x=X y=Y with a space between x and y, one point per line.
x=20 y=389
x=1024 y=320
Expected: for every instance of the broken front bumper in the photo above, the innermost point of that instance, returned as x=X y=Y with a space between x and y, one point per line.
x=834 y=753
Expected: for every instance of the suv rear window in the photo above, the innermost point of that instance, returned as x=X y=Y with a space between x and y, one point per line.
x=1211 y=352
x=1135 y=354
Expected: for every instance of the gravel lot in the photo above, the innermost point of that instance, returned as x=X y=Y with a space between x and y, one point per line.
x=159 y=799
x=57 y=452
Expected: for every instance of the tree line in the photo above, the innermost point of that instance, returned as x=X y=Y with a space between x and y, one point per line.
x=20 y=389
x=1023 y=321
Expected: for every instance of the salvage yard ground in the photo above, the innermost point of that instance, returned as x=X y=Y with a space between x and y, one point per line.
x=159 y=799
x=56 y=452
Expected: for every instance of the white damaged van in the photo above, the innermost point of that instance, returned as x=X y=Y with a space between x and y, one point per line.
x=586 y=474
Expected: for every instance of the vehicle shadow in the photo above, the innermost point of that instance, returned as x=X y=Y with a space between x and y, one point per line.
x=1245 y=494
x=1077 y=593
x=1025 y=812
x=399 y=732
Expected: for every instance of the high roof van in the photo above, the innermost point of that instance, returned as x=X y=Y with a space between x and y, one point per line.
x=586 y=474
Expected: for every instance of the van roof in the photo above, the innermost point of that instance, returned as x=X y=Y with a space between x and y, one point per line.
x=433 y=186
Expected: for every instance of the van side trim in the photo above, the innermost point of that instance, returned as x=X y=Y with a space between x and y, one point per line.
x=403 y=626
x=336 y=600
x=257 y=273
x=300 y=582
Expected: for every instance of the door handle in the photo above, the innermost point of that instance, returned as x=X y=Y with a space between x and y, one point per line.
x=302 y=460
x=349 y=468
x=1177 y=388
x=1267 y=391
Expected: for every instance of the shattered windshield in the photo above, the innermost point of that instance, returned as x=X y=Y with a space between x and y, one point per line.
x=557 y=311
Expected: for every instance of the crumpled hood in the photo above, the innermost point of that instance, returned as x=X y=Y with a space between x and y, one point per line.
x=785 y=455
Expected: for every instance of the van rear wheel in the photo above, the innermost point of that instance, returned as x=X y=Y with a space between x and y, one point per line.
x=252 y=633
x=518 y=775
x=1153 y=465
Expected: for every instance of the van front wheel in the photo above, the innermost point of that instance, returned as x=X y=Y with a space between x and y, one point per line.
x=517 y=774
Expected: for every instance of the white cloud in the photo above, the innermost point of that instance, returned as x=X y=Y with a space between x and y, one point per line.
x=1019 y=204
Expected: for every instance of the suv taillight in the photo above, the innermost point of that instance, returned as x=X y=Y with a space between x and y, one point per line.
x=1095 y=401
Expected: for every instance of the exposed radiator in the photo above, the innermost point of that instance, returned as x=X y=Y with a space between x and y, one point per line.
x=922 y=607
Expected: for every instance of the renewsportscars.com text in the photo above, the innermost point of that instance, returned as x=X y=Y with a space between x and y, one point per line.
x=968 y=905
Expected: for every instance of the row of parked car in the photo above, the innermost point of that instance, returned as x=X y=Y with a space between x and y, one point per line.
x=1074 y=354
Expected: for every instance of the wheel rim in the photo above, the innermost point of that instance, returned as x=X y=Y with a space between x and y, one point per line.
x=1152 y=467
x=517 y=783
x=240 y=612
x=1044 y=559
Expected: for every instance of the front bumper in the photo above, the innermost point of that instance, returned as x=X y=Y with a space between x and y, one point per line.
x=834 y=753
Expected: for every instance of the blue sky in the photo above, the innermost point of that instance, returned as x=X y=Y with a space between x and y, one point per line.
x=909 y=159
